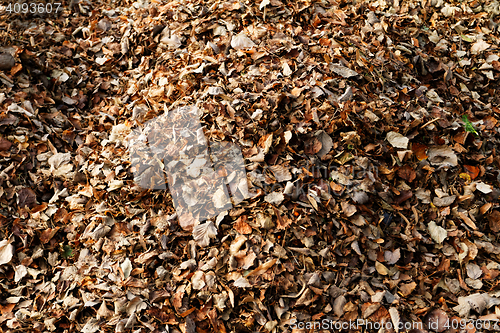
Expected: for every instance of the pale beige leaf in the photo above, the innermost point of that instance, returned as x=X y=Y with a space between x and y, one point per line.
x=198 y=280
x=484 y=188
x=394 y=318
x=6 y=252
x=397 y=140
x=479 y=46
x=437 y=233
x=126 y=267
x=241 y=41
x=442 y=156
x=381 y=269
x=242 y=283
x=474 y=271
x=274 y=198
x=203 y=232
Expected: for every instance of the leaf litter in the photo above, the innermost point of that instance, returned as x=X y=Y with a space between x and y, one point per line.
x=371 y=198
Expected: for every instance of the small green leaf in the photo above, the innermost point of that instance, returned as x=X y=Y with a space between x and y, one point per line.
x=468 y=125
x=467 y=39
x=67 y=252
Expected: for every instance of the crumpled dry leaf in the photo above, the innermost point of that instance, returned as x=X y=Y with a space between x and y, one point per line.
x=202 y=233
x=262 y=268
x=241 y=42
x=21 y=272
x=433 y=96
x=274 y=198
x=60 y=165
x=343 y=71
x=119 y=133
x=444 y=201
x=6 y=252
x=263 y=4
x=437 y=233
x=242 y=283
x=198 y=280
x=397 y=140
x=423 y=195
x=478 y=302
x=281 y=173
x=442 y=156
x=484 y=188
x=479 y=46
x=91 y=326
x=126 y=267
x=173 y=42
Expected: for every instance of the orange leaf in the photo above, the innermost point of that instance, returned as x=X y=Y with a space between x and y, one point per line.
x=242 y=227
x=419 y=150
x=473 y=171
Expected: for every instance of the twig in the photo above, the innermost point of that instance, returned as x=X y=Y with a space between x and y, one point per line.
x=428 y=123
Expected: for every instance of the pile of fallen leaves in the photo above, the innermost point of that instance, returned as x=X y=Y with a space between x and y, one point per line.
x=369 y=131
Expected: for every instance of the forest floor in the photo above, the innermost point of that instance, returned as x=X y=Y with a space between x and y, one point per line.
x=368 y=131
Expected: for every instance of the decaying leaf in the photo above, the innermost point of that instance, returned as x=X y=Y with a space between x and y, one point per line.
x=6 y=252
x=397 y=140
x=392 y=257
x=477 y=302
x=241 y=41
x=242 y=283
x=338 y=113
x=202 y=233
x=442 y=156
x=437 y=233
x=343 y=71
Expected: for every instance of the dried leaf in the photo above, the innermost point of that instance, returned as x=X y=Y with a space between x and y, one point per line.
x=381 y=269
x=479 y=46
x=395 y=318
x=274 y=198
x=437 y=233
x=473 y=171
x=407 y=173
x=312 y=146
x=262 y=268
x=343 y=71
x=241 y=42
x=442 y=156
x=419 y=150
x=6 y=252
x=484 y=188
x=494 y=221
x=198 y=280
x=242 y=227
x=392 y=257
x=407 y=288
x=478 y=302
x=202 y=233
x=126 y=267
x=437 y=320
x=397 y=140
x=444 y=201
x=242 y=283
x=473 y=271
